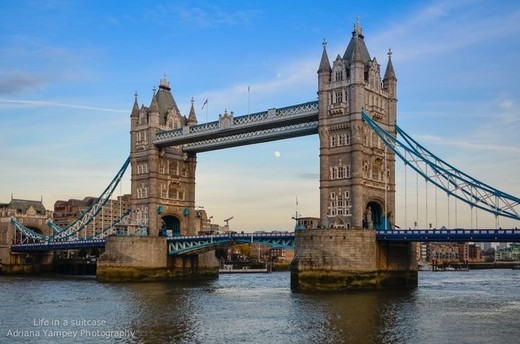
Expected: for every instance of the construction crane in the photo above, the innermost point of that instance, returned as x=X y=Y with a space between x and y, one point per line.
x=227 y=222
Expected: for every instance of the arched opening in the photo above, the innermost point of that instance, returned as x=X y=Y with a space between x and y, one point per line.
x=374 y=217
x=171 y=226
x=339 y=223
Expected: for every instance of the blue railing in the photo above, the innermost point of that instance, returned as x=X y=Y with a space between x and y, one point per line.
x=200 y=243
x=193 y=244
x=450 y=235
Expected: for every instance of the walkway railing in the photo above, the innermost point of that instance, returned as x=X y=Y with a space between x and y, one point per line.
x=450 y=235
x=229 y=131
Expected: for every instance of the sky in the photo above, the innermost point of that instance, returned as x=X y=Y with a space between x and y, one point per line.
x=69 y=71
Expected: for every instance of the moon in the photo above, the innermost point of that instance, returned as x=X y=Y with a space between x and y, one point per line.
x=277 y=154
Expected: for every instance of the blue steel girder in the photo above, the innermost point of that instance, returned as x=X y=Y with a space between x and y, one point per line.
x=268 y=125
x=247 y=138
x=453 y=235
x=60 y=234
x=446 y=177
x=58 y=245
x=196 y=244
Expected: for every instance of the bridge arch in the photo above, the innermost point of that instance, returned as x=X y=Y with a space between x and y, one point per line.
x=171 y=223
x=339 y=223
x=374 y=217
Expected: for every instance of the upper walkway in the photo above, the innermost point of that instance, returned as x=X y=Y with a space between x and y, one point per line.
x=229 y=131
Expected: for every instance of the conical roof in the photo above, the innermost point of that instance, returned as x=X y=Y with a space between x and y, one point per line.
x=356 y=47
x=324 y=63
x=165 y=100
x=389 y=73
x=192 y=117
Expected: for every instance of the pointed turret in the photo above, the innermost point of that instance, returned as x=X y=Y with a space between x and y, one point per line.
x=357 y=46
x=192 y=118
x=154 y=107
x=165 y=100
x=390 y=80
x=389 y=74
x=324 y=63
x=324 y=71
x=135 y=108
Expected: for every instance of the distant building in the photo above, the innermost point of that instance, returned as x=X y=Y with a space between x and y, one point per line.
x=32 y=214
x=281 y=255
x=446 y=252
x=511 y=253
x=65 y=212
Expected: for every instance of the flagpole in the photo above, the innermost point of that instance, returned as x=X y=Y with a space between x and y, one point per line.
x=248 y=100
x=207 y=106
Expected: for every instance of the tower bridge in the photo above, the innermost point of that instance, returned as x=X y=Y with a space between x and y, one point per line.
x=356 y=244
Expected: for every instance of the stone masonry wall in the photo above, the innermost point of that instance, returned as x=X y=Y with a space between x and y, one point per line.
x=336 y=249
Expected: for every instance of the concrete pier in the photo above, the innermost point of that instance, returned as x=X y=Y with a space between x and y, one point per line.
x=145 y=259
x=343 y=259
x=24 y=263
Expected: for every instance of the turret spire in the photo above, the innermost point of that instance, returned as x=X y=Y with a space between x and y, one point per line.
x=135 y=108
x=192 y=118
x=357 y=45
x=154 y=107
x=324 y=63
x=389 y=67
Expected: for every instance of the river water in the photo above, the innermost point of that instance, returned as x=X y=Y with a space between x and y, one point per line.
x=477 y=306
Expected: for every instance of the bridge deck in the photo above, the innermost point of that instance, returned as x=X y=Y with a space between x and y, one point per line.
x=450 y=235
x=198 y=243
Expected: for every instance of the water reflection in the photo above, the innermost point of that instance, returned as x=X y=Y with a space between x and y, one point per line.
x=260 y=309
x=475 y=306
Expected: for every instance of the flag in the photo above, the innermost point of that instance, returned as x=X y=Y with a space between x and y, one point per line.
x=206 y=102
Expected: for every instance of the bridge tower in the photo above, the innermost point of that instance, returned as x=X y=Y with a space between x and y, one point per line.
x=163 y=179
x=357 y=179
x=162 y=200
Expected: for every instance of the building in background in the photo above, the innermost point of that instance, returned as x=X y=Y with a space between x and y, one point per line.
x=66 y=212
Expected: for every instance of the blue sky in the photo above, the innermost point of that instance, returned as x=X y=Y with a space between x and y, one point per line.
x=69 y=70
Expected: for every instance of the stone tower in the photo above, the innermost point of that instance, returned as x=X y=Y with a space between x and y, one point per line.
x=163 y=179
x=357 y=180
x=162 y=201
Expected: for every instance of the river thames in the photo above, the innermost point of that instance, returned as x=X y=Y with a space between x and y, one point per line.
x=477 y=306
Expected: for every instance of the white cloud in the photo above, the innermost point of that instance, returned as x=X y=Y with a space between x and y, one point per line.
x=44 y=103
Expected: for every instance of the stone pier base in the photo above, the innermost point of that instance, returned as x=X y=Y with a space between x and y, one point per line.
x=129 y=259
x=24 y=263
x=343 y=259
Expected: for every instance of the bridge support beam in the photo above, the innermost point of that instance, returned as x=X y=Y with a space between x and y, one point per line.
x=344 y=259
x=129 y=259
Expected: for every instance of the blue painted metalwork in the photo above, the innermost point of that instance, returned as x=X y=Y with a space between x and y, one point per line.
x=452 y=235
x=228 y=131
x=58 y=245
x=196 y=244
x=446 y=177
x=88 y=215
x=201 y=243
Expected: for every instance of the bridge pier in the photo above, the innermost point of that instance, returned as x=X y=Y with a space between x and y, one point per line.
x=24 y=263
x=129 y=259
x=341 y=259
